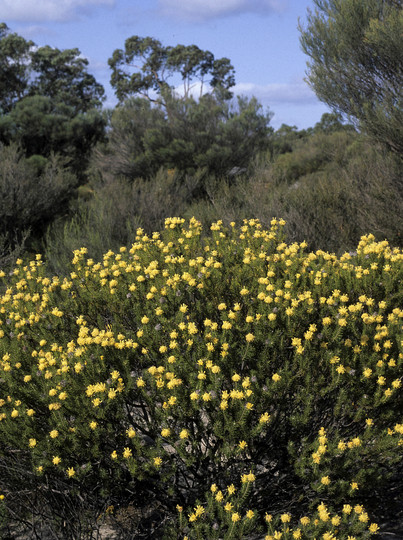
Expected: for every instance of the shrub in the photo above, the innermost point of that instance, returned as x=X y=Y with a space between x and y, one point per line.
x=114 y=211
x=29 y=200
x=231 y=384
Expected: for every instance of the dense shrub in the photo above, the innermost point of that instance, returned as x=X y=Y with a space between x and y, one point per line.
x=29 y=199
x=204 y=385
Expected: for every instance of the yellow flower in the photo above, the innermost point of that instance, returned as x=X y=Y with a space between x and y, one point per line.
x=250 y=514
x=157 y=461
x=242 y=445
x=325 y=480
x=248 y=478
x=114 y=455
x=199 y=510
x=71 y=472
x=127 y=452
x=228 y=507
x=130 y=433
x=56 y=460
x=54 y=433
x=373 y=528
x=32 y=443
x=231 y=489
x=285 y=518
x=184 y=434
x=235 y=517
x=276 y=377
x=166 y=432
x=264 y=418
x=249 y=337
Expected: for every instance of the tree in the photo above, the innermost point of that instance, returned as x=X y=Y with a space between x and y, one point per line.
x=49 y=103
x=27 y=70
x=157 y=124
x=356 y=67
x=199 y=134
x=145 y=66
x=63 y=76
x=41 y=126
x=14 y=75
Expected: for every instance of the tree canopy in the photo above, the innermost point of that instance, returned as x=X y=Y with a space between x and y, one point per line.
x=198 y=134
x=147 y=68
x=356 y=67
x=49 y=103
x=14 y=75
x=27 y=70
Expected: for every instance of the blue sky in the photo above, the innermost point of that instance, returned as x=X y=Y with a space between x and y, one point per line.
x=260 y=37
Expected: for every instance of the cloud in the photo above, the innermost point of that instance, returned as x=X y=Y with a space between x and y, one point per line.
x=201 y=10
x=47 y=10
x=30 y=32
x=297 y=93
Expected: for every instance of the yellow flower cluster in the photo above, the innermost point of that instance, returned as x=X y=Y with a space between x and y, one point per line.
x=183 y=349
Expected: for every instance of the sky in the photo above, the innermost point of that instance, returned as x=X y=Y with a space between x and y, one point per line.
x=260 y=37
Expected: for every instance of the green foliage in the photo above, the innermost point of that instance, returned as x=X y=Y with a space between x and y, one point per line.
x=331 y=189
x=356 y=51
x=204 y=134
x=14 y=55
x=155 y=64
x=110 y=214
x=28 y=70
x=41 y=126
x=63 y=77
x=29 y=201
x=50 y=103
x=240 y=381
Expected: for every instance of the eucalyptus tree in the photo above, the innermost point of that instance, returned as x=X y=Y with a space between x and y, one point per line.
x=356 y=63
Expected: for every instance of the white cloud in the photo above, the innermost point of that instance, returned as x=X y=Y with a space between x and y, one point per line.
x=30 y=32
x=47 y=10
x=197 y=10
x=297 y=93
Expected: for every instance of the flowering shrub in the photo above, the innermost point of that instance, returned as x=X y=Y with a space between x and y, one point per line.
x=233 y=382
